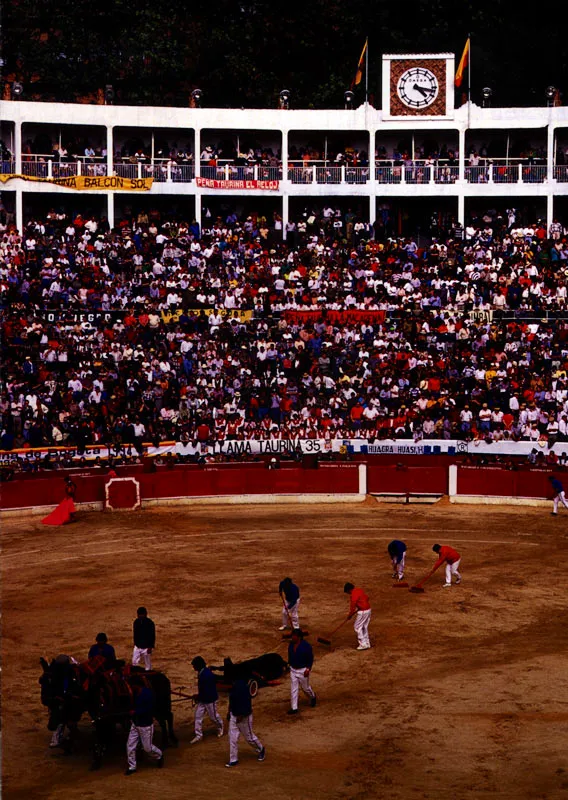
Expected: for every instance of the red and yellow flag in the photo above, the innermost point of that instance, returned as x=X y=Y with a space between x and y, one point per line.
x=464 y=61
x=359 y=73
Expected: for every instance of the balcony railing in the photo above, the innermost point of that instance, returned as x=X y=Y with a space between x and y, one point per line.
x=501 y=170
x=328 y=174
x=387 y=172
x=35 y=169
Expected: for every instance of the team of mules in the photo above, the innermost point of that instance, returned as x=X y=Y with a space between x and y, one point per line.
x=106 y=694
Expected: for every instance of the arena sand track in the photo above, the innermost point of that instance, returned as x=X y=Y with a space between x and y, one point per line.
x=464 y=694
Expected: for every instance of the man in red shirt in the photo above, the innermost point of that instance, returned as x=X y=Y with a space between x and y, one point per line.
x=360 y=608
x=452 y=559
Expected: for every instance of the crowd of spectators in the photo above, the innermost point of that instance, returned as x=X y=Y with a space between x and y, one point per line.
x=157 y=330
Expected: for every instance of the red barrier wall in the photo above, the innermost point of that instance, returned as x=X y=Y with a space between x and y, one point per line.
x=410 y=480
x=190 y=481
x=497 y=482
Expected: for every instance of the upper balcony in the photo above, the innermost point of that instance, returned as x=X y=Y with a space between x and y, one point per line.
x=91 y=143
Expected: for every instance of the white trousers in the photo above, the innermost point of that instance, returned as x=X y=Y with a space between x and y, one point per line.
x=57 y=736
x=559 y=498
x=361 y=626
x=142 y=652
x=144 y=736
x=398 y=566
x=211 y=710
x=292 y=614
x=452 y=569
x=235 y=730
x=299 y=681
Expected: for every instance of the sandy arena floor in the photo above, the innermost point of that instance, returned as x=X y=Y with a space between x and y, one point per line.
x=463 y=695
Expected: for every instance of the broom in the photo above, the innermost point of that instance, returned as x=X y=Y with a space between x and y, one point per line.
x=289 y=635
x=323 y=640
x=417 y=589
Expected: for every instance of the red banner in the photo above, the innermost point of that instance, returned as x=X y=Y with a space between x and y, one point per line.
x=358 y=316
x=210 y=183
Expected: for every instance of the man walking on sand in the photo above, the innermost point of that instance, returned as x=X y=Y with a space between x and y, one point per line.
x=144 y=634
x=300 y=660
x=206 y=699
x=558 y=495
x=240 y=722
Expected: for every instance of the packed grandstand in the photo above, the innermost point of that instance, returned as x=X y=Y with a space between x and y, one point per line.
x=159 y=331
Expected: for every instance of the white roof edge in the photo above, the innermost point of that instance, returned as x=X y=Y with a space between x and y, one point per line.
x=419 y=55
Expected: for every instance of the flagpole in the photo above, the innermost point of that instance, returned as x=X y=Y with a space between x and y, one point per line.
x=469 y=70
x=367 y=71
x=469 y=83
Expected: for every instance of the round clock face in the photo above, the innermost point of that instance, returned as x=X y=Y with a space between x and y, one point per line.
x=417 y=87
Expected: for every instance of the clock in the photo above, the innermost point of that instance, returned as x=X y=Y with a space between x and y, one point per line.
x=417 y=87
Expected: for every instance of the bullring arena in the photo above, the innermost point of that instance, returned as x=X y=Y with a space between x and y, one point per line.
x=461 y=696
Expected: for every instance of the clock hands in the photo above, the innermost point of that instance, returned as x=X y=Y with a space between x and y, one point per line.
x=424 y=92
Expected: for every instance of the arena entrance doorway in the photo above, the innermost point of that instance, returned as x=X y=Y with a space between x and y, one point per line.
x=415 y=216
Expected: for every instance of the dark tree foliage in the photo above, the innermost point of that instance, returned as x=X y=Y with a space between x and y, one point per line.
x=243 y=53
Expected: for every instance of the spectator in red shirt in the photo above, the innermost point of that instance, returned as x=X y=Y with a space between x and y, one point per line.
x=452 y=559
x=360 y=608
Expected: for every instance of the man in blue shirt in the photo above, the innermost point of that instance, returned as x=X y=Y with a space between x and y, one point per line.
x=558 y=494
x=240 y=721
x=142 y=730
x=397 y=552
x=290 y=595
x=103 y=648
x=206 y=697
x=300 y=659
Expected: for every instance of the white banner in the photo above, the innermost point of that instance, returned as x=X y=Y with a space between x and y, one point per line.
x=272 y=447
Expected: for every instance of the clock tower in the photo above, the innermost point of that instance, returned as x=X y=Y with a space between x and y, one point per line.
x=418 y=85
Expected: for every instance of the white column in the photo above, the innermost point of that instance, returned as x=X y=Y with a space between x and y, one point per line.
x=372 y=160
x=18 y=148
x=198 y=210
x=362 y=479
x=452 y=480
x=285 y=214
x=110 y=151
x=19 y=211
x=461 y=210
x=461 y=148
x=372 y=183
x=79 y=167
x=549 y=209
x=197 y=157
x=284 y=155
x=550 y=153
x=110 y=209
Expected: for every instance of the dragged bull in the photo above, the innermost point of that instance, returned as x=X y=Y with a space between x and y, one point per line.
x=70 y=690
x=260 y=671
